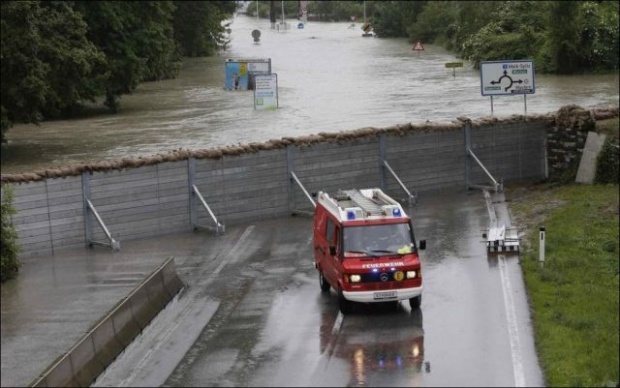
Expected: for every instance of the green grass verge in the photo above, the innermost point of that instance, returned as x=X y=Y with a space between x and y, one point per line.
x=574 y=296
x=610 y=127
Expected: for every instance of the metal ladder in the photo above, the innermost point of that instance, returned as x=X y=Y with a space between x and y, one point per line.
x=367 y=204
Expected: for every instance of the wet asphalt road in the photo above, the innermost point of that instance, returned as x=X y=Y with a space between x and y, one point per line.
x=253 y=314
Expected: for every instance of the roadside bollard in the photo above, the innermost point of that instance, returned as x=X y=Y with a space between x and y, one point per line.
x=541 y=248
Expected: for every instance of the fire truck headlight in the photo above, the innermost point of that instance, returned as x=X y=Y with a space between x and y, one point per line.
x=411 y=274
x=415 y=350
x=355 y=278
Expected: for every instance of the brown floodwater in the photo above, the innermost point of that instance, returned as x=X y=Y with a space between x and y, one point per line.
x=330 y=79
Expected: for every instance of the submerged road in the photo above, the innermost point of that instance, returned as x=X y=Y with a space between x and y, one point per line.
x=253 y=314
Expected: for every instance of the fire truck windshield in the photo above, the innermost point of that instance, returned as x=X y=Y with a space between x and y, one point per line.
x=374 y=240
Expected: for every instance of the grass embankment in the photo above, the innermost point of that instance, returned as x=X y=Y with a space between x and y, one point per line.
x=609 y=127
x=574 y=296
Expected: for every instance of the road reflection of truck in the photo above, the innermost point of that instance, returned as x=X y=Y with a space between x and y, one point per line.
x=380 y=349
x=365 y=249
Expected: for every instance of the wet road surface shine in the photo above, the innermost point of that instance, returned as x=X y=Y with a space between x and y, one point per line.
x=258 y=316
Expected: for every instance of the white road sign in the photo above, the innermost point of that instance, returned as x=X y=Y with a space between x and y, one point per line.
x=501 y=78
x=266 y=91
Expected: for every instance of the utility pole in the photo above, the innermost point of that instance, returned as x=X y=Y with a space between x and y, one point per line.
x=272 y=13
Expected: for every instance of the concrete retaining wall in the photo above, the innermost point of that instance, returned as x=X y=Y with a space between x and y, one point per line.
x=245 y=184
x=85 y=361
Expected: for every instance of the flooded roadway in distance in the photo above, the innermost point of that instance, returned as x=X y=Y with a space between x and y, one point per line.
x=330 y=79
x=253 y=314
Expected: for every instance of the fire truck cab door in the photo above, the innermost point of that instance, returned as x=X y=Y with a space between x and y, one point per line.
x=332 y=258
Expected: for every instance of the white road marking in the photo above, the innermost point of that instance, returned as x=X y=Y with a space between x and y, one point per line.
x=513 y=330
x=337 y=324
x=235 y=248
x=329 y=349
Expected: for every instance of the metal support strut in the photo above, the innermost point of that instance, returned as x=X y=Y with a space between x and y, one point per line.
x=219 y=228
x=411 y=199
x=115 y=245
x=497 y=186
x=88 y=224
x=296 y=180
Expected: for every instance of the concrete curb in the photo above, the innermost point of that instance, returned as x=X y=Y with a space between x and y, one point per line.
x=587 y=165
x=85 y=361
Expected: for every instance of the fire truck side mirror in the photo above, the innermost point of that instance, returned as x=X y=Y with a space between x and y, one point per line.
x=332 y=250
x=422 y=244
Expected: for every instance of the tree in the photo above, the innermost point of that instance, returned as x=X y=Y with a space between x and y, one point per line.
x=9 y=263
x=137 y=40
x=48 y=65
x=598 y=35
x=435 y=22
x=516 y=32
x=562 y=36
x=24 y=74
x=71 y=59
x=392 y=19
x=198 y=29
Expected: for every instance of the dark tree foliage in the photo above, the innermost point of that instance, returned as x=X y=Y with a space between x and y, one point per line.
x=9 y=263
x=608 y=164
x=48 y=65
x=56 y=55
x=71 y=59
x=598 y=35
x=563 y=36
x=137 y=40
x=566 y=37
x=391 y=19
x=24 y=86
x=435 y=23
x=511 y=34
x=198 y=28
x=332 y=11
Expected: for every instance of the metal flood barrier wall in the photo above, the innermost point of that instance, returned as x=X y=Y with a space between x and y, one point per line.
x=96 y=350
x=154 y=199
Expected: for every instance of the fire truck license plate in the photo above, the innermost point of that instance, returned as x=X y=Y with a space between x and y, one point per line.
x=385 y=295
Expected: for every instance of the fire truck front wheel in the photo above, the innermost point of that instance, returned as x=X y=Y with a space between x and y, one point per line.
x=322 y=282
x=343 y=303
x=415 y=302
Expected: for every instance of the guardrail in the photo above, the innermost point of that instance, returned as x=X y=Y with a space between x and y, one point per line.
x=98 y=348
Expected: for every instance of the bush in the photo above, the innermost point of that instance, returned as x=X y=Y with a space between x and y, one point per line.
x=607 y=164
x=9 y=263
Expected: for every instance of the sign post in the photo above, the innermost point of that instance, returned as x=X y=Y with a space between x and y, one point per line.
x=541 y=247
x=453 y=66
x=507 y=78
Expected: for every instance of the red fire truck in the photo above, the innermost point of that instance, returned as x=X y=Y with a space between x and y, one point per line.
x=365 y=249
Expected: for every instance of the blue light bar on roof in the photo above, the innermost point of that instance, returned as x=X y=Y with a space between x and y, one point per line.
x=350 y=215
x=396 y=212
